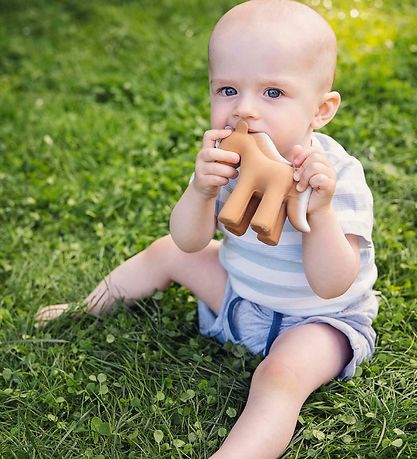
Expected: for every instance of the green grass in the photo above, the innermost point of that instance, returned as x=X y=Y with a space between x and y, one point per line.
x=102 y=108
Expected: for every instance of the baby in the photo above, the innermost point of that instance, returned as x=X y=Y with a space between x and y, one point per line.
x=307 y=304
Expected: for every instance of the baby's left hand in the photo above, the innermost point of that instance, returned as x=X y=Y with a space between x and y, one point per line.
x=312 y=168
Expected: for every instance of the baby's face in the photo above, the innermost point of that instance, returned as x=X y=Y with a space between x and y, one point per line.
x=268 y=83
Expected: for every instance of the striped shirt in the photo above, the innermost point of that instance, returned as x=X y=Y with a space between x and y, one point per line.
x=274 y=276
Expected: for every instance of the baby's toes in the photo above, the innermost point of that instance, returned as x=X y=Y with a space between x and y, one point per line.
x=47 y=313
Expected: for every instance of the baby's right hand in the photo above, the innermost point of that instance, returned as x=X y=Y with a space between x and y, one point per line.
x=214 y=166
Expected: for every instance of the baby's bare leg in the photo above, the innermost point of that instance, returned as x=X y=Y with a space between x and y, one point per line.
x=300 y=361
x=154 y=269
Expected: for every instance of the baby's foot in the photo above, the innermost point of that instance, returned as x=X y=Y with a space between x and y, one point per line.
x=47 y=313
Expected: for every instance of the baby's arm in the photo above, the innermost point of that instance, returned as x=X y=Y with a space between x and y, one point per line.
x=193 y=222
x=331 y=258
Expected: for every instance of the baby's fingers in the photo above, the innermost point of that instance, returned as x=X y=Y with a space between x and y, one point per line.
x=221 y=170
x=215 y=181
x=210 y=137
x=44 y=315
x=220 y=156
x=321 y=182
x=311 y=167
x=218 y=169
x=299 y=155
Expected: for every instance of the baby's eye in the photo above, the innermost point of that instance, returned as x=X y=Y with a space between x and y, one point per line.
x=274 y=93
x=228 y=91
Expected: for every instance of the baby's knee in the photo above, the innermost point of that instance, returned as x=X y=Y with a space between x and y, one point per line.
x=163 y=250
x=279 y=373
x=162 y=246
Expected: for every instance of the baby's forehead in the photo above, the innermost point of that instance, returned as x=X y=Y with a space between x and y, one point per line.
x=277 y=45
x=281 y=25
x=250 y=35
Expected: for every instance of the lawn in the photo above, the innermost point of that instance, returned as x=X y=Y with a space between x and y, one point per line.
x=102 y=106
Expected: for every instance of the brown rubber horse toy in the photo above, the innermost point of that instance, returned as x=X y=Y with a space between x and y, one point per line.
x=265 y=192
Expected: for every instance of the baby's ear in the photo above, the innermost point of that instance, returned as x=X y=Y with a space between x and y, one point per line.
x=326 y=110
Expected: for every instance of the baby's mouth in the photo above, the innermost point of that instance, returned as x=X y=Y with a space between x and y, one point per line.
x=250 y=131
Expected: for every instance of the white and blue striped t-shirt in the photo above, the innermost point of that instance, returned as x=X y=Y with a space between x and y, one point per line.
x=274 y=276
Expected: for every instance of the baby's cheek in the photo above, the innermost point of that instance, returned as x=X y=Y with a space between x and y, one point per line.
x=218 y=119
x=284 y=149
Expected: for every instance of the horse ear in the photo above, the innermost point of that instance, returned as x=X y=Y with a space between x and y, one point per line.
x=242 y=127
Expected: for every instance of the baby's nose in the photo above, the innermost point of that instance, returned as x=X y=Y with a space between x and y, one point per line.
x=245 y=108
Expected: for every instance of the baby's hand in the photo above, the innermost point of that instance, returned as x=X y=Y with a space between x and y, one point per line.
x=312 y=168
x=214 y=166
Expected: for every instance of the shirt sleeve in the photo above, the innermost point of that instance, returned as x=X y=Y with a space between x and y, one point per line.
x=353 y=202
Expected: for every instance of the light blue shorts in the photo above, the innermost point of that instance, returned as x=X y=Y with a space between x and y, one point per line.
x=256 y=327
